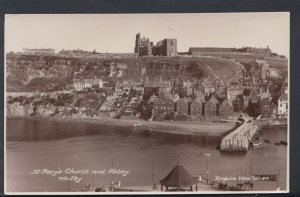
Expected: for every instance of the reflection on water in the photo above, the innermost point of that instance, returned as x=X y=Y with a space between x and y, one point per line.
x=33 y=144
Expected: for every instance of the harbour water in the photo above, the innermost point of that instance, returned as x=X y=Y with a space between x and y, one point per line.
x=148 y=156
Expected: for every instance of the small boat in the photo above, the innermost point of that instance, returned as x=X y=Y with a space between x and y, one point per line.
x=278 y=144
x=137 y=124
x=267 y=141
x=283 y=142
x=198 y=154
x=257 y=142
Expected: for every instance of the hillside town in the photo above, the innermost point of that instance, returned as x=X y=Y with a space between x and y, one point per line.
x=257 y=93
x=256 y=89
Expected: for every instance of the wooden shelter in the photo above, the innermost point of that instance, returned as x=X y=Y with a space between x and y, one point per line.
x=179 y=179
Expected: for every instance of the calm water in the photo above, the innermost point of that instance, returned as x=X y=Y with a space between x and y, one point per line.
x=38 y=144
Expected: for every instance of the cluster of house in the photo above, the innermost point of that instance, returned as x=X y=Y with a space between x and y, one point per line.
x=254 y=94
x=187 y=98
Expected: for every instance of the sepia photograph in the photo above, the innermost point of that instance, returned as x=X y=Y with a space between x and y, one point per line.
x=169 y=103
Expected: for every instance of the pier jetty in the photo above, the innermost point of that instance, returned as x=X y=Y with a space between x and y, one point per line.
x=240 y=138
x=272 y=122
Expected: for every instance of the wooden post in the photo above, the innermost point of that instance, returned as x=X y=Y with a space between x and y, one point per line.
x=277 y=187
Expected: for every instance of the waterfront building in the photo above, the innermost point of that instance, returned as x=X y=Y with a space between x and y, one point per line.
x=283 y=105
x=163 y=106
x=226 y=108
x=196 y=107
x=182 y=107
x=265 y=108
x=211 y=106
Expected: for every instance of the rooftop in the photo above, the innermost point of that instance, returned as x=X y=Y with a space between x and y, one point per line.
x=283 y=97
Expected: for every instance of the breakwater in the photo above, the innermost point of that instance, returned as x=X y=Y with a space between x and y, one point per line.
x=241 y=137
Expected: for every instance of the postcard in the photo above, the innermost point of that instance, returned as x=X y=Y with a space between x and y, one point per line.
x=189 y=103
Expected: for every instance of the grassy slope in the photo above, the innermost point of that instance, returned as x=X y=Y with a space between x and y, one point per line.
x=280 y=63
x=181 y=67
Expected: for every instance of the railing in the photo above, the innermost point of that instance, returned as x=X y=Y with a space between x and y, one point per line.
x=223 y=186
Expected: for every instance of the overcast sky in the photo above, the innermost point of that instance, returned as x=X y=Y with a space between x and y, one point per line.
x=116 y=32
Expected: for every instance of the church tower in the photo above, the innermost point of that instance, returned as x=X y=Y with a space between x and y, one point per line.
x=137 y=43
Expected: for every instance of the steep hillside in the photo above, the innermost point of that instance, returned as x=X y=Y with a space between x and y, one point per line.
x=50 y=77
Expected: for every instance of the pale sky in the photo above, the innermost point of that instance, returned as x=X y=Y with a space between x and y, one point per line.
x=116 y=32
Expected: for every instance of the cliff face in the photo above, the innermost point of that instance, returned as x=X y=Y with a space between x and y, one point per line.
x=17 y=109
x=45 y=110
x=50 y=105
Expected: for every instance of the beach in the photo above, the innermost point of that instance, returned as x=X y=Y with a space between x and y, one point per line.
x=175 y=127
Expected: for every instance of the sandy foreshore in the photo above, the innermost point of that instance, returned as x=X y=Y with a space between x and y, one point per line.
x=176 y=127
